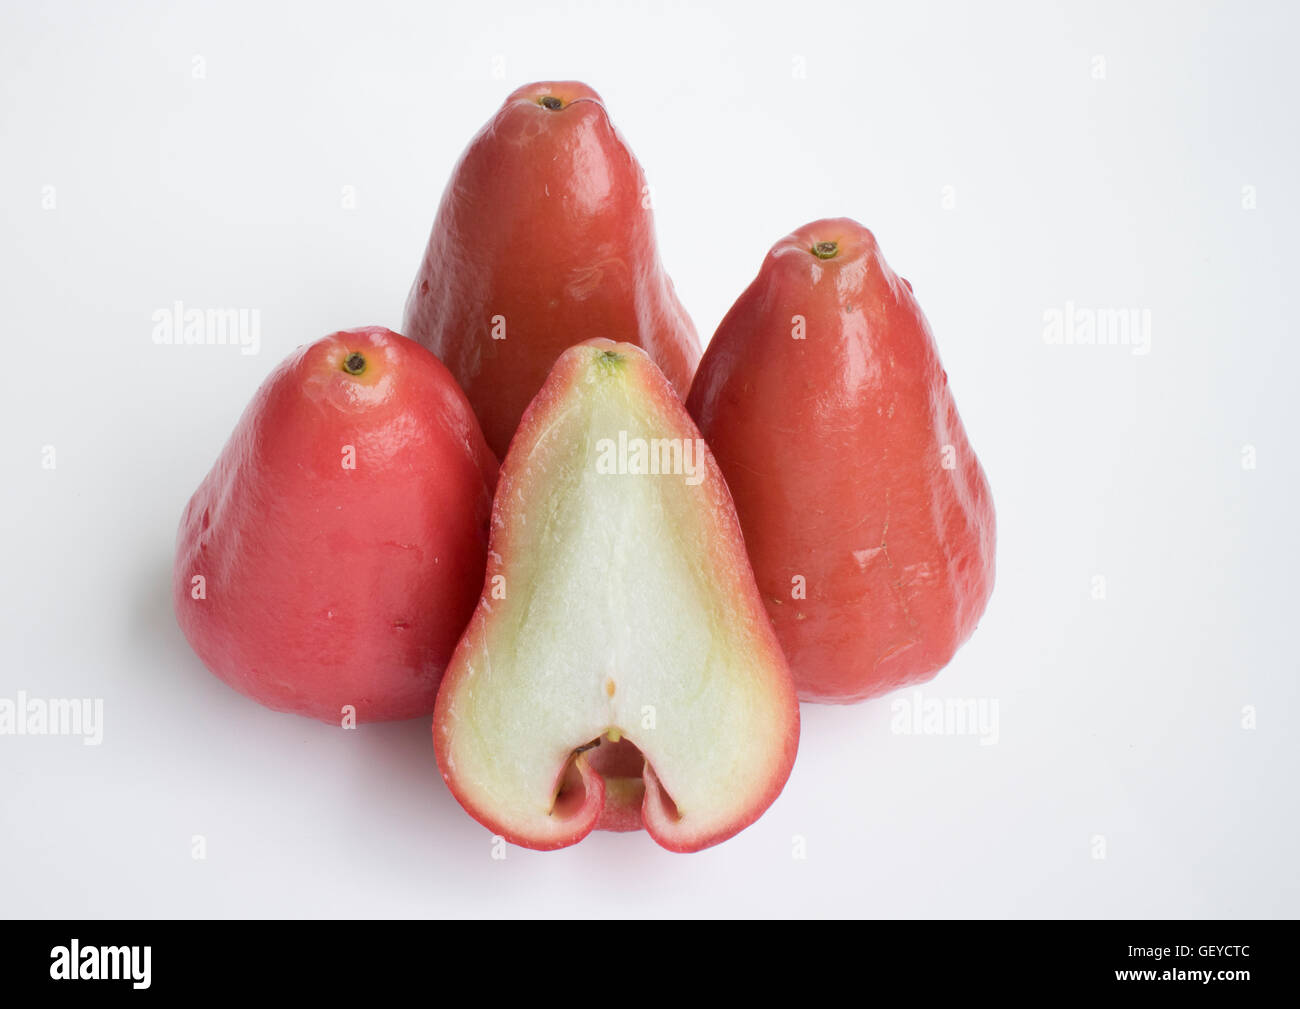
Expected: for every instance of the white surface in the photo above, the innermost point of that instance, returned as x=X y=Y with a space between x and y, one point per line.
x=1119 y=718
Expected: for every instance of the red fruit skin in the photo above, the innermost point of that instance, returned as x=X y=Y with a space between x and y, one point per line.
x=833 y=447
x=328 y=586
x=544 y=225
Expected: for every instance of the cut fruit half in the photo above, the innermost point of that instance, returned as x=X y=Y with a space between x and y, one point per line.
x=619 y=608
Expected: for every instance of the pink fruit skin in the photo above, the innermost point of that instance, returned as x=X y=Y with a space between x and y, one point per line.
x=849 y=466
x=326 y=586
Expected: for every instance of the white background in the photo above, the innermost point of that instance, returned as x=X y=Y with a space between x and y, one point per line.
x=1120 y=720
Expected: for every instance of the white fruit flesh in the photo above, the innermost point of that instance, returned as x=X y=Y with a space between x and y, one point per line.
x=614 y=618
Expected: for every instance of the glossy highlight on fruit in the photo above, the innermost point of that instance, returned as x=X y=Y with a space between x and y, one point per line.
x=619 y=670
x=330 y=559
x=544 y=236
x=867 y=516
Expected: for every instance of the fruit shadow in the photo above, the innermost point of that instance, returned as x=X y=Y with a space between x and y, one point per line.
x=389 y=769
x=398 y=780
x=155 y=630
x=389 y=774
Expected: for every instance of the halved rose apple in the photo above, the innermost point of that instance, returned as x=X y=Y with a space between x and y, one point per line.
x=620 y=665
